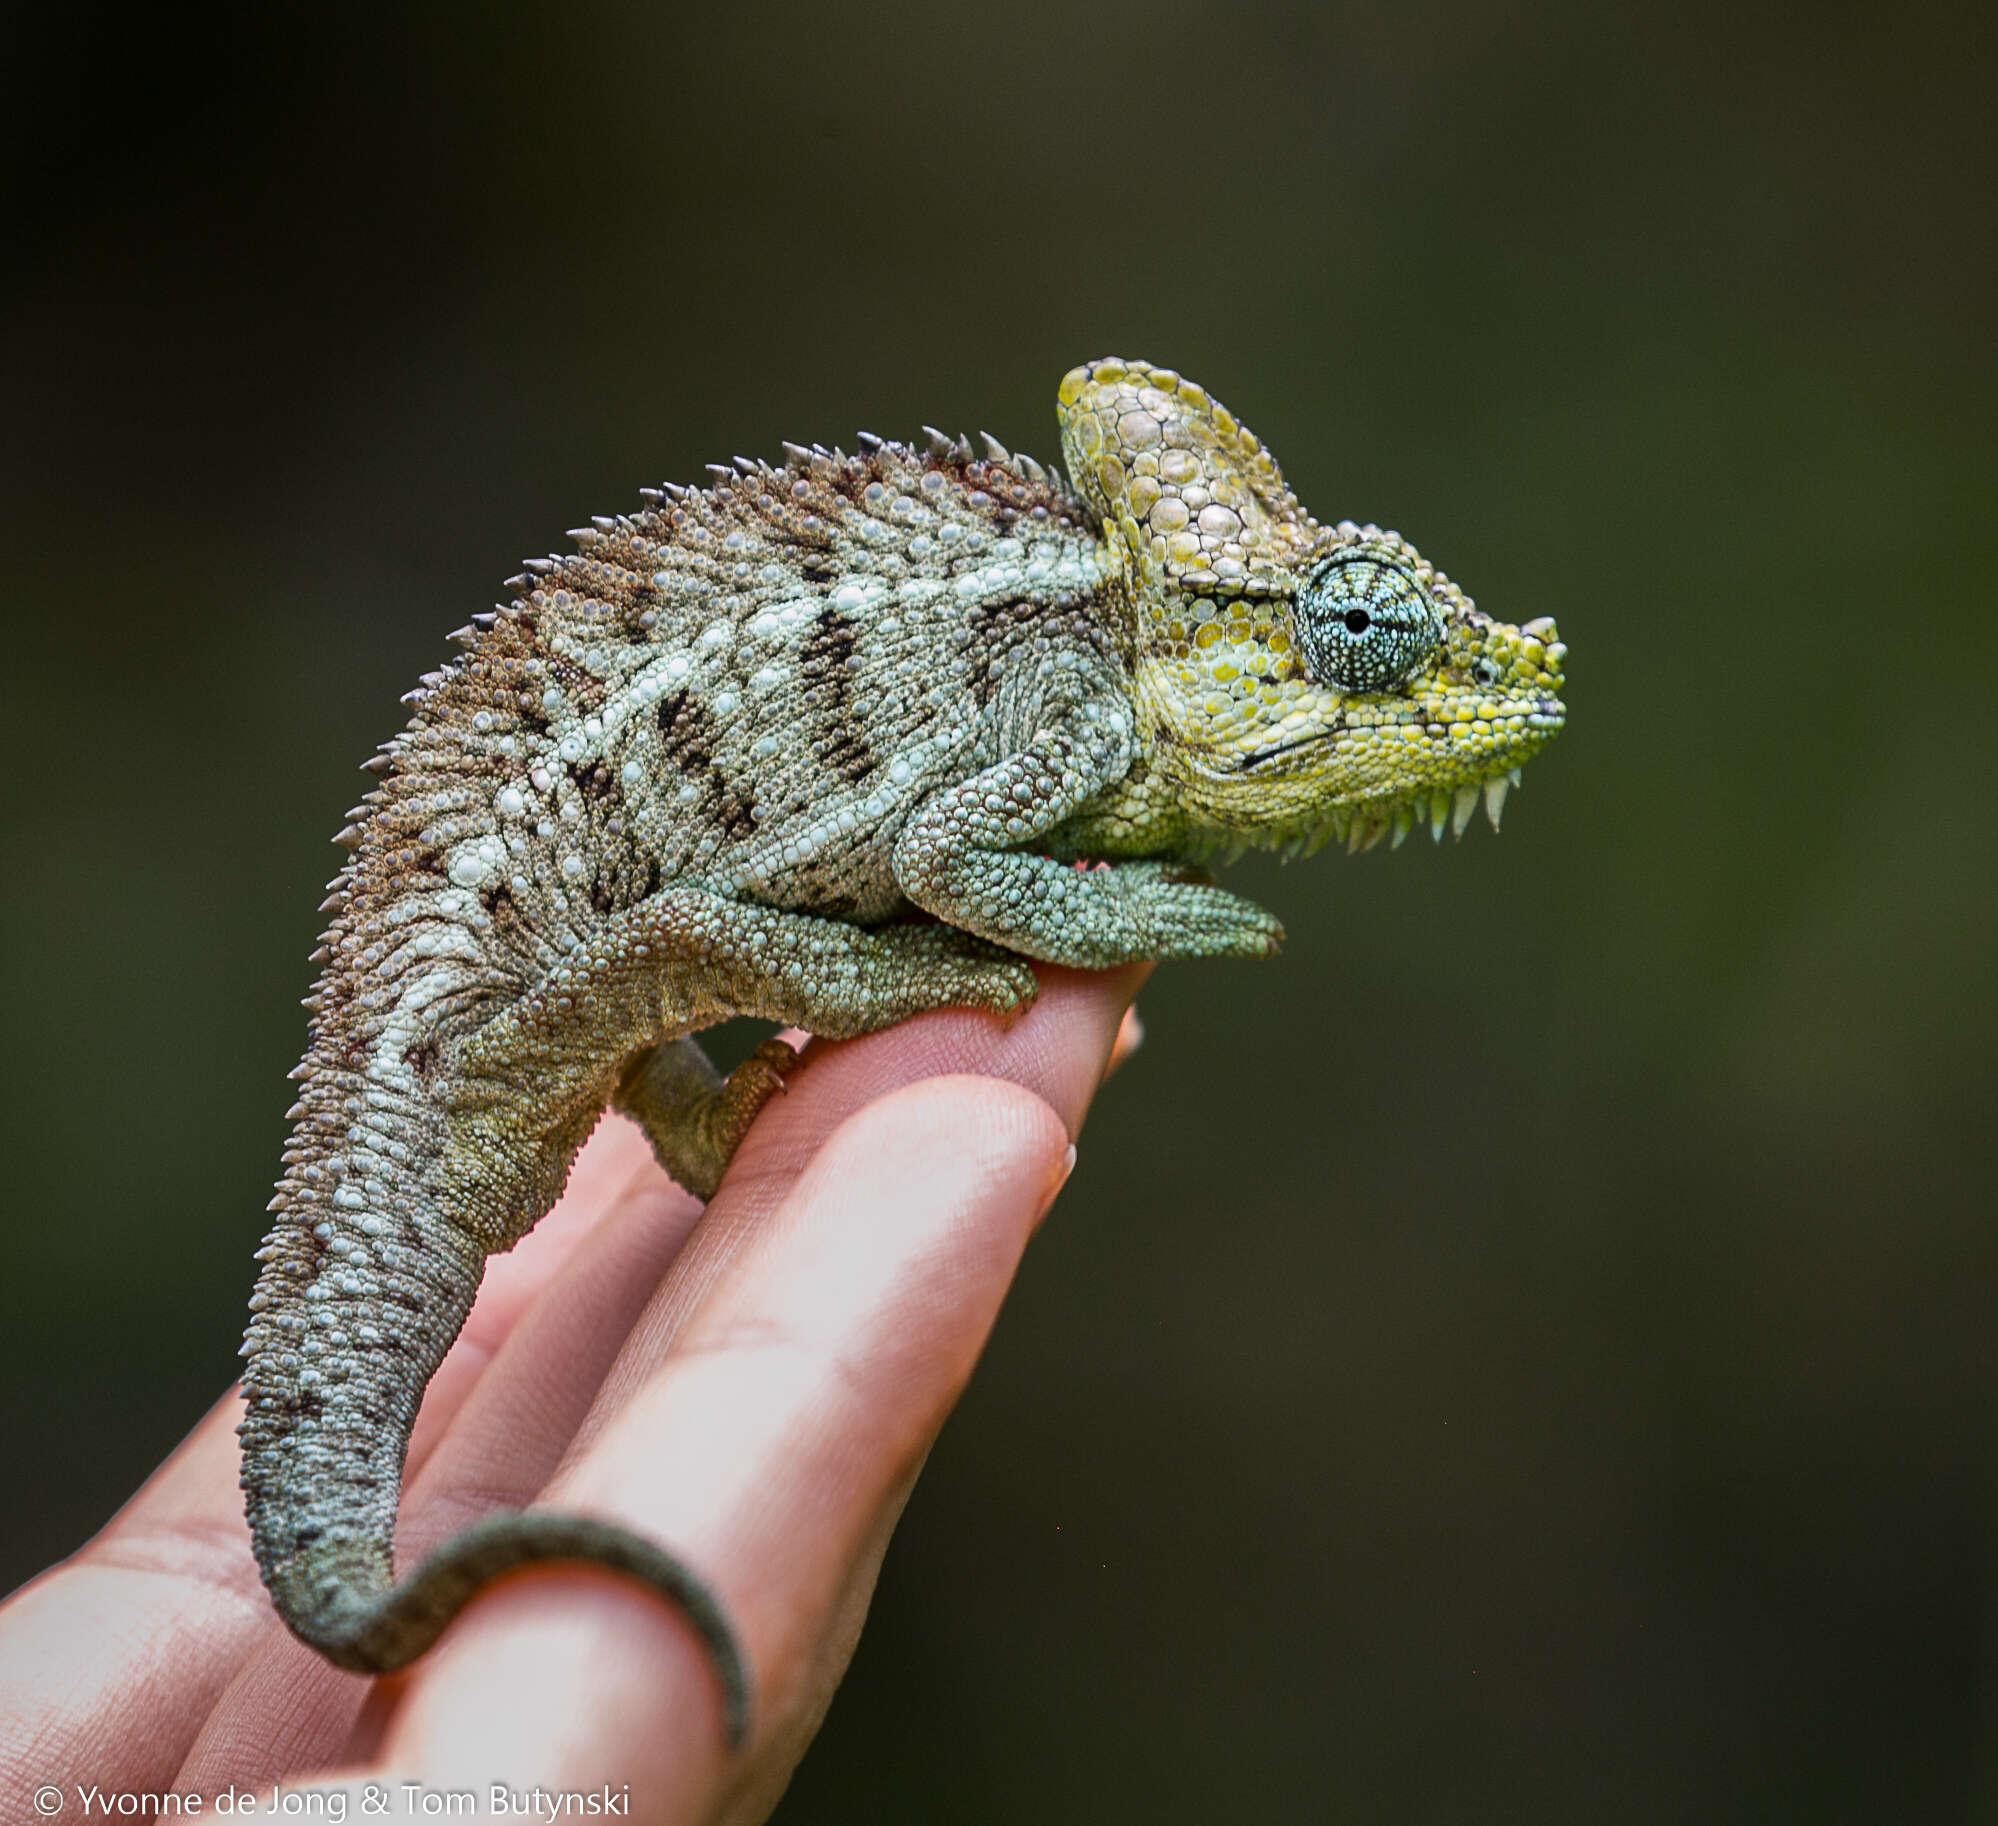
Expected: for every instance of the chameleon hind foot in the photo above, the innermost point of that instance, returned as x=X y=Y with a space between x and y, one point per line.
x=693 y=1116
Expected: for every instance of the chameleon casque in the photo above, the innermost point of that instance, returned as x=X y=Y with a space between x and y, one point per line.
x=724 y=759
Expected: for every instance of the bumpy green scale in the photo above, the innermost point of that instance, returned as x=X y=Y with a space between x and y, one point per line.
x=713 y=763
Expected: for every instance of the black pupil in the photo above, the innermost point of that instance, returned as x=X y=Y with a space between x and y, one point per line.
x=1357 y=621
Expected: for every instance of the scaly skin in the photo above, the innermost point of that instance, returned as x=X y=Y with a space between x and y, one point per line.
x=708 y=766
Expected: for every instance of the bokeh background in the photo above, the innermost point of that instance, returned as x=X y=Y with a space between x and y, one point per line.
x=1529 y=1354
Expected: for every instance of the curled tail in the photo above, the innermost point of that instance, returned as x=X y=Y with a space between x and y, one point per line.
x=384 y=1218
x=341 y=1606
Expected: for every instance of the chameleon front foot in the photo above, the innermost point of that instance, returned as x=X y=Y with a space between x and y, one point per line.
x=695 y=1118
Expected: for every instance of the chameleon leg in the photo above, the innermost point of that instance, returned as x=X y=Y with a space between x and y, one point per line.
x=680 y=961
x=836 y=979
x=693 y=1116
x=400 y=1189
x=960 y=857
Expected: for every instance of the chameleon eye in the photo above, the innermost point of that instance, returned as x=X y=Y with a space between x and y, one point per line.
x=1364 y=623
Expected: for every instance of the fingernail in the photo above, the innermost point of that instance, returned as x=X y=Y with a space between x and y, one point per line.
x=1130 y=1036
x=1054 y=1190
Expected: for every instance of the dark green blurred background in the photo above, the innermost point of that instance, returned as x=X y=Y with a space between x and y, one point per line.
x=1529 y=1354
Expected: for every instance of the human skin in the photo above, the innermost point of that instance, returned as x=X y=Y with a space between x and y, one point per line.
x=755 y=1385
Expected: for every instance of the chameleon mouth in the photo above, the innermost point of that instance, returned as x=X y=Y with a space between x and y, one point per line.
x=1544 y=720
x=1257 y=756
x=1362 y=823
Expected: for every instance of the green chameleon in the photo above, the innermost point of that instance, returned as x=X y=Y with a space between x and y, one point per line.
x=721 y=761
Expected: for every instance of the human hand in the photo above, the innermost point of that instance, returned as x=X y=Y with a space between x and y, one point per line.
x=755 y=1386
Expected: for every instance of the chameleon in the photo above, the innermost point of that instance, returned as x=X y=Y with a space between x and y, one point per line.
x=829 y=742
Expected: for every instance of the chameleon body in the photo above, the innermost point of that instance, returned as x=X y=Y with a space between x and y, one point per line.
x=721 y=760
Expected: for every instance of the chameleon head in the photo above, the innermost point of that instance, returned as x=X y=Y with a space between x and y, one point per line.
x=1297 y=681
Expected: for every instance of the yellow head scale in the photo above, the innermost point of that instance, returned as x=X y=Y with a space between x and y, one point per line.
x=1295 y=682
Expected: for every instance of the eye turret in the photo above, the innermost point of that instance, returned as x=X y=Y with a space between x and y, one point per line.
x=1364 y=622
